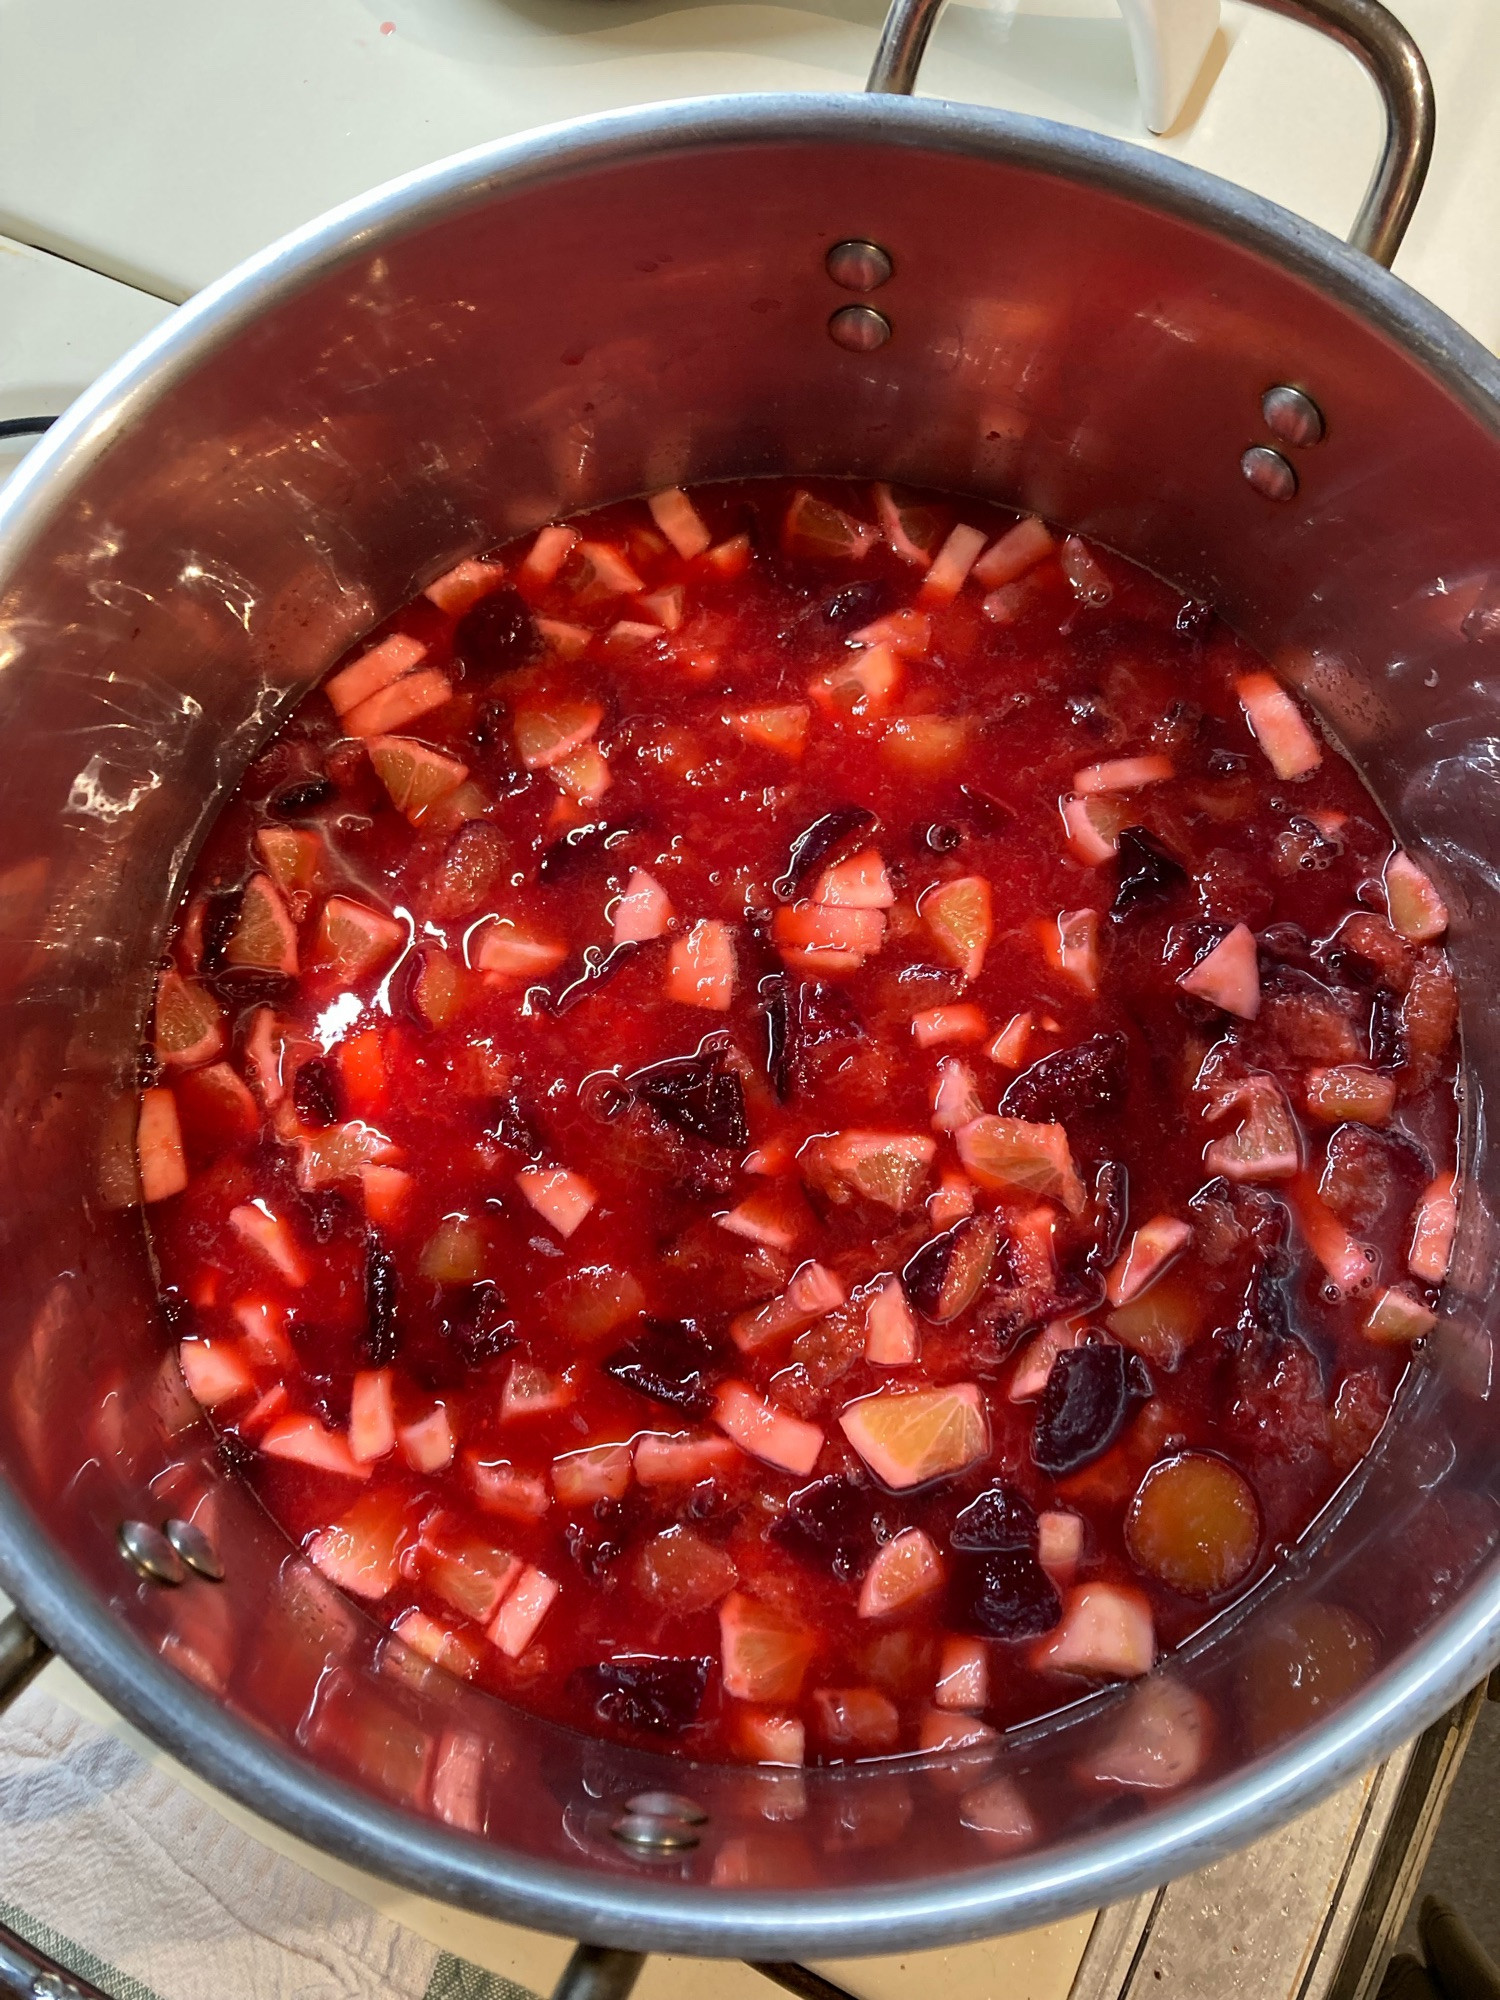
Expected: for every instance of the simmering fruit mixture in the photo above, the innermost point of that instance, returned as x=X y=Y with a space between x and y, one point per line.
x=793 y=1123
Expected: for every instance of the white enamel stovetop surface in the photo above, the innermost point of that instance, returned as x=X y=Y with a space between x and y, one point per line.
x=148 y=145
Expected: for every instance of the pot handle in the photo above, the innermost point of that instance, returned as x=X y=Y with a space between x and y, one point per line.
x=1364 y=27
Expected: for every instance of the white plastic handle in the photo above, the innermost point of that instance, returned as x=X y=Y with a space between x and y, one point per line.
x=1169 y=40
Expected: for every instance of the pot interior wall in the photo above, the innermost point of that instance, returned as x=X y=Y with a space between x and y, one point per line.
x=496 y=349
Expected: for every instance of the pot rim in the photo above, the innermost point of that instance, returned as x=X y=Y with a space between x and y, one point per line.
x=467 y=1870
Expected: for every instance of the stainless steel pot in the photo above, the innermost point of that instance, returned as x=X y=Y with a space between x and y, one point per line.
x=1075 y=327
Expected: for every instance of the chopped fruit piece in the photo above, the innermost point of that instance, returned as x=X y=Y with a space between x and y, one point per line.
x=459 y=589
x=771 y=1217
x=458 y=1252
x=1015 y=1157
x=1349 y=1265
x=783 y=728
x=665 y=606
x=507 y=951
x=1094 y=826
x=891 y=1168
x=1350 y=1091
x=1397 y=1316
x=911 y=531
x=583 y=777
x=764 y=1736
x=294 y=858
x=503 y=1488
x=441 y=988
x=1162 y=1322
x=600 y=1472
x=864 y=685
x=700 y=967
x=764 y=1656
x=255 y=1224
x=951 y=565
x=1087 y=579
x=1106 y=1632
x=372 y=1415
x=1229 y=975
x=353 y=939
x=547 y=732
x=386 y=1192
x=361 y=1553
x=905 y=1571
x=1018 y=550
x=1059 y=1544
x=454 y=1651
x=821 y=938
x=1416 y=909
x=860 y=883
x=1154 y=1246
x=1009 y=1047
x=958 y=915
x=525 y=1605
x=341 y=1154
x=948 y=1273
x=1277 y=726
x=427 y=1444
x=684 y=1458
x=416 y=776
x=925 y=745
x=813 y=528
x=589 y=1305
x=998 y=1813
x=908 y=633
x=307 y=1442
x=1071 y=945
x=765 y=1430
x=1122 y=774
x=559 y=1197
x=1264 y=1145
x=404 y=702
x=955 y=1100
x=214 y=1371
x=1159 y=1743
x=362 y=1070
x=960 y=1023
x=963 y=1675
x=629 y=632
x=938 y=1731
x=567 y=640
x=548 y=553
x=189 y=1022
x=643 y=912
x=680 y=1572
x=731 y=558
x=950 y=1201
x=909 y=1438
x=158 y=1146
x=857 y=1720
x=1433 y=1231
x=1195 y=1524
x=380 y=667
x=680 y=521
x=264 y=938
x=890 y=1331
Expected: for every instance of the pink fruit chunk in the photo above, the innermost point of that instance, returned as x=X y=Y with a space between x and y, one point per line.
x=1277 y=725
x=939 y=1730
x=416 y=776
x=427 y=1444
x=508 y=951
x=815 y=528
x=372 y=1416
x=897 y=524
x=160 y=1159
x=963 y=1674
x=822 y=938
x=1349 y=1265
x=643 y=912
x=1416 y=909
x=684 y=1458
x=958 y=914
x=766 y=1216
x=352 y=939
x=598 y=1472
x=1008 y=1049
x=503 y=1488
x=514 y=1625
x=909 y=1438
x=1093 y=827
x=386 y=1191
x=361 y=1553
x=535 y=1392
x=1350 y=1091
x=1018 y=550
x=1071 y=947
x=1085 y=575
x=295 y=857
x=783 y=728
x=559 y=1197
x=1433 y=1230
x=765 y=1430
x=903 y=1572
x=1154 y=1246
x=547 y=732
x=626 y=634
x=950 y=1201
x=891 y=1168
x=1059 y=1544
x=764 y=1655
x=1016 y=1157
x=547 y=554
x=1105 y=1632
x=307 y=1442
x=399 y=705
x=459 y=589
x=680 y=521
x=1122 y=774
x=730 y=558
x=907 y=633
x=998 y=1813
x=464 y=1570
x=381 y=667
x=1398 y=1317
x=189 y=1023
x=951 y=565
x=566 y=640
x=858 y=1721
x=700 y=967
x=341 y=1154
x=955 y=1099
x=666 y=607
x=769 y=1736
x=860 y=883
x=1158 y=1744
x=864 y=685
x=961 y=1023
x=1229 y=975
x=264 y=1049
x=264 y=1343
x=601 y=570
x=454 y=1651
x=263 y=1412
x=1264 y=1145
x=214 y=1371
x=259 y=1226
x=891 y=1339
x=264 y=938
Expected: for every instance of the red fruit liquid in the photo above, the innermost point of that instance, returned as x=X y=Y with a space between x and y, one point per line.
x=783 y=1148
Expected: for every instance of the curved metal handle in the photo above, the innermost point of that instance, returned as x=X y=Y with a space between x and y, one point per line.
x=1364 y=27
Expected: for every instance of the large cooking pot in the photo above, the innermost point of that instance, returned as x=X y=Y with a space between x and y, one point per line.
x=1072 y=326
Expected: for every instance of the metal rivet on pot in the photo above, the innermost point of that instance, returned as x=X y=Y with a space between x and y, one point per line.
x=1269 y=473
x=859 y=328
x=858 y=266
x=196 y=1550
x=650 y=1835
x=668 y=1805
x=1292 y=417
x=148 y=1551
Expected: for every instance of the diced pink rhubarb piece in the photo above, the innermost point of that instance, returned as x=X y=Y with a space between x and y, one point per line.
x=958 y=914
x=1071 y=946
x=308 y=1442
x=531 y=1391
x=1121 y=774
x=515 y=1624
x=907 y=633
x=1398 y=1317
x=906 y=1570
x=1348 y=1264
x=566 y=640
x=548 y=731
x=1277 y=725
x=1034 y=1364
x=998 y=1813
x=643 y=912
x=254 y=1223
x=459 y=589
x=507 y=951
x=372 y=1415
x=960 y=1023
x=683 y=1458
x=1014 y=1156
x=380 y=667
x=1059 y=1544
x=427 y=1444
x=399 y=705
x=782 y=728
x=548 y=553
x=950 y=1201
x=1264 y=1145
x=559 y=1197
x=955 y=1099
x=822 y=938
x=765 y=1430
x=214 y=1371
x=452 y=1650
x=860 y=883
x=265 y=1344
x=764 y=1655
x=386 y=1191
x=730 y=558
x=626 y=634
x=941 y=1730
x=891 y=1339
x=503 y=1488
x=856 y=1721
x=1433 y=1230
x=158 y=1146
x=768 y=1736
x=1158 y=1744
x=865 y=684
x=1008 y=1049
x=665 y=606
x=1018 y=550
x=909 y=1438
x=1417 y=911
x=1105 y=1632
x=764 y=1217
x=609 y=574
x=700 y=967
x=951 y=565
x=1151 y=1249
x=1229 y=975
x=598 y=1472
x=680 y=521
x=963 y=1675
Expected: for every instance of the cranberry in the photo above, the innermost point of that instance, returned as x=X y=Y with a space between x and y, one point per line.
x=497 y=634
x=669 y=1360
x=658 y=1696
x=830 y=1523
x=1005 y=1594
x=999 y=1518
x=1089 y=1394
